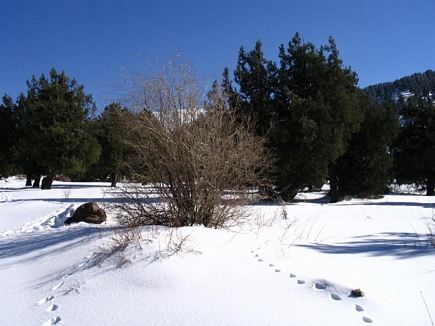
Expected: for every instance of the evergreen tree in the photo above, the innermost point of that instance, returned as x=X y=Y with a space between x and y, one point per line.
x=7 y=136
x=54 y=129
x=415 y=147
x=366 y=168
x=109 y=135
x=257 y=78
x=325 y=93
x=307 y=107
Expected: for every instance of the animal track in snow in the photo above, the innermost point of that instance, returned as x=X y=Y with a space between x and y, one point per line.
x=335 y=297
x=53 y=307
x=52 y=321
x=45 y=300
x=367 y=319
x=320 y=286
x=359 y=308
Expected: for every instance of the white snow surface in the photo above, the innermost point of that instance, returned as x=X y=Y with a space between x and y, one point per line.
x=273 y=268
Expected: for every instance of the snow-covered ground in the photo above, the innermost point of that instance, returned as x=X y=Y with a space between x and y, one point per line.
x=283 y=265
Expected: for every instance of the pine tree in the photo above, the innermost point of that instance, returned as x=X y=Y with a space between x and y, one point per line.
x=257 y=80
x=415 y=147
x=307 y=107
x=366 y=168
x=8 y=139
x=109 y=135
x=54 y=128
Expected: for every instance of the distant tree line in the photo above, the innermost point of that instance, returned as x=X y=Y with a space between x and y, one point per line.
x=414 y=148
x=52 y=130
x=420 y=84
x=307 y=107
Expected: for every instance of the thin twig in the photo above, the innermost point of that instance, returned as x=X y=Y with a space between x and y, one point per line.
x=428 y=312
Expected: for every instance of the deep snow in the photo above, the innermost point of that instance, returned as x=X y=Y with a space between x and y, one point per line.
x=268 y=270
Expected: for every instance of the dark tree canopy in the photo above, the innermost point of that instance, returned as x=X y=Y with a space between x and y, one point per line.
x=415 y=147
x=306 y=106
x=110 y=136
x=53 y=127
x=365 y=170
x=8 y=128
x=412 y=98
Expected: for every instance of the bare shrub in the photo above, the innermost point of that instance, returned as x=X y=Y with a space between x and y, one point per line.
x=67 y=193
x=115 y=247
x=177 y=242
x=189 y=148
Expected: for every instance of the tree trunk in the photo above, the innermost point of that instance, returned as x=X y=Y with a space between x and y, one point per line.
x=113 y=179
x=47 y=182
x=28 y=180
x=289 y=192
x=430 y=187
x=334 y=192
x=37 y=181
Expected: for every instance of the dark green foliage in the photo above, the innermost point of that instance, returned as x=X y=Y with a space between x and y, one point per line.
x=415 y=147
x=54 y=130
x=8 y=128
x=110 y=136
x=257 y=80
x=307 y=107
x=413 y=150
x=365 y=169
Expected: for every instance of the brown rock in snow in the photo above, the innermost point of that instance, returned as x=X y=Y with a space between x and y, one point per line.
x=89 y=213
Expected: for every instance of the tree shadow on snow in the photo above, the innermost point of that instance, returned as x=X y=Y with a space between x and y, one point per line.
x=401 y=245
x=86 y=200
x=36 y=245
x=387 y=203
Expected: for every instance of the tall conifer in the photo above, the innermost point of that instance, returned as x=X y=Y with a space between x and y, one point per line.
x=53 y=127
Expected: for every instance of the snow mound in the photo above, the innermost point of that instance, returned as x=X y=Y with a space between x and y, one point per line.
x=53 y=220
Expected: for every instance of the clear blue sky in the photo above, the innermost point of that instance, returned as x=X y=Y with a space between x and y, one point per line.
x=90 y=40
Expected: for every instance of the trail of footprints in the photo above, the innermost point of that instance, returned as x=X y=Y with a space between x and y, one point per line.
x=317 y=285
x=52 y=307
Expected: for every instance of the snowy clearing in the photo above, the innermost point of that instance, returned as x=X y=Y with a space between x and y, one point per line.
x=266 y=271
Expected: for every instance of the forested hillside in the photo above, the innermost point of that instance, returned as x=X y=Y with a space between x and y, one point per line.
x=398 y=91
x=413 y=99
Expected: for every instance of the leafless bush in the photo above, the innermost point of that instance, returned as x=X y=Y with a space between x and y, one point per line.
x=67 y=193
x=115 y=247
x=177 y=242
x=190 y=148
